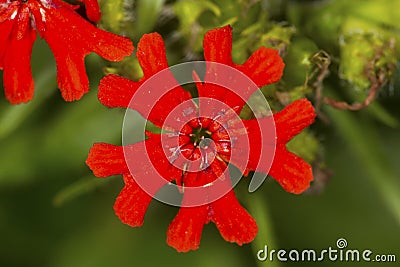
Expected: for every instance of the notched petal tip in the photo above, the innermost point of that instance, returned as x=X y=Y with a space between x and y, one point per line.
x=263 y=67
x=106 y=160
x=293 y=173
x=132 y=203
x=71 y=76
x=151 y=54
x=110 y=46
x=71 y=38
x=233 y=221
x=184 y=232
x=217 y=44
x=293 y=119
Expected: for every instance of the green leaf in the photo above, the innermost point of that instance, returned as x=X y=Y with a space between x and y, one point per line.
x=260 y=210
x=298 y=63
x=363 y=140
x=83 y=186
x=189 y=11
x=305 y=145
x=45 y=85
x=147 y=15
x=113 y=15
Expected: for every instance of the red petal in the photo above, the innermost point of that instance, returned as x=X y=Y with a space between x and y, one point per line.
x=71 y=74
x=217 y=45
x=206 y=186
x=69 y=54
x=291 y=171
x=263 y=67
x=174 y=98
x=106 y=160
x=159 y=95
x=85 y=37
x=158 y=158
x=71 y=38
x=254 y=153
x=116 y=91
x=151 y=54
x=108 y=45
x=149 y=166
x=184 y=232
x=260 y=137
x=231 y=219
x=6 y=13
x=5 y=29
x=233 y=222
x=92 y=9
x=165 y=92
x=132 y=203
x=293 y=119
x=16 y=62
x=288 y=123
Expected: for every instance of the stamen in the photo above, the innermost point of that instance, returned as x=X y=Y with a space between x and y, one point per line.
x=14 y=14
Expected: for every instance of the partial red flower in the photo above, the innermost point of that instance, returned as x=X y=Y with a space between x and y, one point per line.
x=69 y=36
x=204 y=142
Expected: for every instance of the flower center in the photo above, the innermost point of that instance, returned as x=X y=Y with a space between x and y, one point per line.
x=204 y=139
x=200 y=137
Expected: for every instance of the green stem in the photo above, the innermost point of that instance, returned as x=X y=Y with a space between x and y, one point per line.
x=265 y=236
x=78 y=188
x=14 y=116
x=364 y=142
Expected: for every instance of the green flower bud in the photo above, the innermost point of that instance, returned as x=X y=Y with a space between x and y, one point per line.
x=364 y=50
x=298 y=61
x=113 y=15
x=326 y=22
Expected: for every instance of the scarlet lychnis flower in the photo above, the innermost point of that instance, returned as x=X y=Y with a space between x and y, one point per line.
x=69 y=36
x=199 y=138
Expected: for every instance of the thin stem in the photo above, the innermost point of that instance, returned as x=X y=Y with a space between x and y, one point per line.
x=14 y=116
x=365 y=144
x=265 y=236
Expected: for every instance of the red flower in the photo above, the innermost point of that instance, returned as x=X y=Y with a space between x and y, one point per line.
x=69 y=36
x=207 y=142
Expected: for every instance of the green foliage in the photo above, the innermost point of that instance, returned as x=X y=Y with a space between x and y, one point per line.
x=305 y=145
x=298 y=63
x=83 y=186
x=114 y=15
x=43 y=144
x=354 y=31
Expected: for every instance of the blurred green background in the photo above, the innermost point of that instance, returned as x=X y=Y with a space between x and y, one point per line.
x=54 y=212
